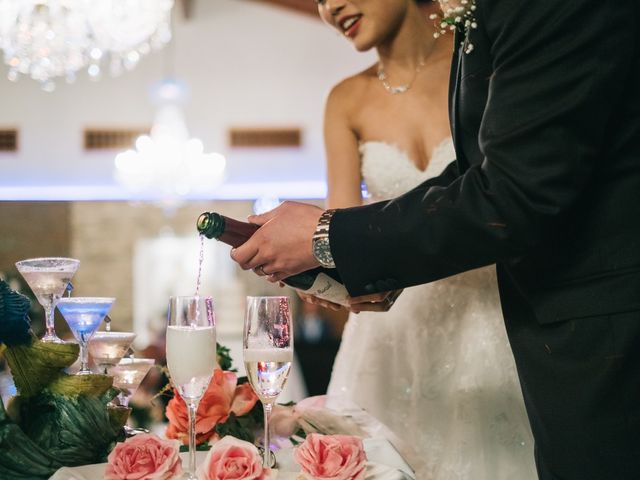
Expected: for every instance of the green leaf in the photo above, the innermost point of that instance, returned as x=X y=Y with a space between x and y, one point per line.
x=76 y=430
x=74 y=385
x=239 y=427
x=224 y=358
x=20 y=457
x=36 y=365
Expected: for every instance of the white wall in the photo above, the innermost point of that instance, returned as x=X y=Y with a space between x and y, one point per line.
x=246 y=64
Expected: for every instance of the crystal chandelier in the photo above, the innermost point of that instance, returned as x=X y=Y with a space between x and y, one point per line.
x=47 y=39
x=168 y=165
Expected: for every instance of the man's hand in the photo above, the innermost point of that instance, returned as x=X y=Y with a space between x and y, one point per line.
x=282 y=245
x=319 y=301
x=377 y=302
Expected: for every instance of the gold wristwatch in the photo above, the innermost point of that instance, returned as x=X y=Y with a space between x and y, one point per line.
x=320 y=241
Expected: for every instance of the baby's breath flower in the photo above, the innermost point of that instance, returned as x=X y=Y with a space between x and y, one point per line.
x=460 y=17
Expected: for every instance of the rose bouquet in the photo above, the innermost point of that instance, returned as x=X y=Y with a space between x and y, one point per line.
x=226 y=408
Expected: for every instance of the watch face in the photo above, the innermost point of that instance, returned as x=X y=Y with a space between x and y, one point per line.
x=322 y=252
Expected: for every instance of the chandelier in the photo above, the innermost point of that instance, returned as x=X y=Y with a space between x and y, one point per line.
x=168 y=165
x=47 y=39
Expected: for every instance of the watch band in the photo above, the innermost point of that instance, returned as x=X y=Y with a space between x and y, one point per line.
x=321 y=248
x=324 y=221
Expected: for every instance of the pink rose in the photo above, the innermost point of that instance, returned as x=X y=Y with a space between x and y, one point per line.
x=144 y=457
x=335 y=457
x=233 y=459
x=285 y=419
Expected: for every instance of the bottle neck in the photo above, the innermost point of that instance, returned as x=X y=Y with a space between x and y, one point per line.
x=224 y=229
x=236 y=232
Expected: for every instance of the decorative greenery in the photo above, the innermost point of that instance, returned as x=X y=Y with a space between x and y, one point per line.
x=16 y=282
x=14 y=310
x=224 y=358
x=56 y=419
x=243 y=427
x=37 y=364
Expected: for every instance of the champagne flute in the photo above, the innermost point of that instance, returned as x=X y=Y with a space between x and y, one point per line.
x=191 y=356
x=267 y=343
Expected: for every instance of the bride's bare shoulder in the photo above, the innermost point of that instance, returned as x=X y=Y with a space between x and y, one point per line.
x=350 y=91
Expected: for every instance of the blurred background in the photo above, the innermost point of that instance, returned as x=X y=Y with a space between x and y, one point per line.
x=110 y=153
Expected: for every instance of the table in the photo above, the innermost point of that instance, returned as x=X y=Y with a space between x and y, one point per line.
x=385 y=463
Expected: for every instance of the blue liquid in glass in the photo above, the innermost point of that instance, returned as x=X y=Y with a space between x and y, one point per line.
x=84 y=318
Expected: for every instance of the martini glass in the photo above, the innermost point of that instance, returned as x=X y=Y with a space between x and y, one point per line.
x=108 y=348
x=128 y=375
x=84 y=315
x=48 y=279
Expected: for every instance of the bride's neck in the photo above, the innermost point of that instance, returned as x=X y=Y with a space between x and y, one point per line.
x=411 y=42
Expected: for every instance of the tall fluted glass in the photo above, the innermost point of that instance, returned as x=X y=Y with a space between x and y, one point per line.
x=268 y=353
x=191 y=356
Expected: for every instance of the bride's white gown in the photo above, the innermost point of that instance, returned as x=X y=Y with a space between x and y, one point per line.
x=437 y=368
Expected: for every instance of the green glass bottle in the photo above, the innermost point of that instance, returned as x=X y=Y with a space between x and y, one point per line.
x=320 y=282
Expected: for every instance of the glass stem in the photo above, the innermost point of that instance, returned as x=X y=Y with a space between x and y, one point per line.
x=266 y=458
x=84 y=358
x=193 y=409
x=49 y=320
x=124 y=399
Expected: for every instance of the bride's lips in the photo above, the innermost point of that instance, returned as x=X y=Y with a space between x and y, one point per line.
x=350 y=25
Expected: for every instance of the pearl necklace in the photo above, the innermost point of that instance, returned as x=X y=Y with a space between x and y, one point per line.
x=382 y=76
x=395 y=90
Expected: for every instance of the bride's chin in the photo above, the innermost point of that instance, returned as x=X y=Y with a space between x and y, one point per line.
x=363 y=46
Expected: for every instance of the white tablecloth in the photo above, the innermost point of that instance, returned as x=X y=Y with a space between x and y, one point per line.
x=384 y=463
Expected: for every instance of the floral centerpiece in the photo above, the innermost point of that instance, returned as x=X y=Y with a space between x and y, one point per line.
x=228 y=418
x=56 y=419
x=60 y=420
x=320 y=457
x=226 y=408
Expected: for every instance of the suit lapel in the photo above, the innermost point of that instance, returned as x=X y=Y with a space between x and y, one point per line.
x=454 y=92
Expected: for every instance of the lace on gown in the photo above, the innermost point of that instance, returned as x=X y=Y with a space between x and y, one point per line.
x=437 y=368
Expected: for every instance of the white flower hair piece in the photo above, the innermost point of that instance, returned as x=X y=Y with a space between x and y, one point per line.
x=460 y=17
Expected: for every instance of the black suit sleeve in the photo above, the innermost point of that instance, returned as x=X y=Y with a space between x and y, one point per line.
x=555 y=65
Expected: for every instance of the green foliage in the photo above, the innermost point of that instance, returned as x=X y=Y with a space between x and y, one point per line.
x=224 y=358
x=14 y=316
x=58 y=419
x=36 y=365
x=76 y=430
x=243 y=427
x=20 y=457
x=200 y=447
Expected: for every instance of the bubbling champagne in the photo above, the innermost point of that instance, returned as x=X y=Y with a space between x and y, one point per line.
x=191 y=358
x=268 y=370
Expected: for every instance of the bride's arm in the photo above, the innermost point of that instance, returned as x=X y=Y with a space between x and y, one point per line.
x=341 y=147
x=344 y=180
x=343 y=163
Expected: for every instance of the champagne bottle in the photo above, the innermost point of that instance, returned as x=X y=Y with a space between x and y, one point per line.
x=320 y=282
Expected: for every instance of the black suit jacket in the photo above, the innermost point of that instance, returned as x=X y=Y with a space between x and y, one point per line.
x=545 y=115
